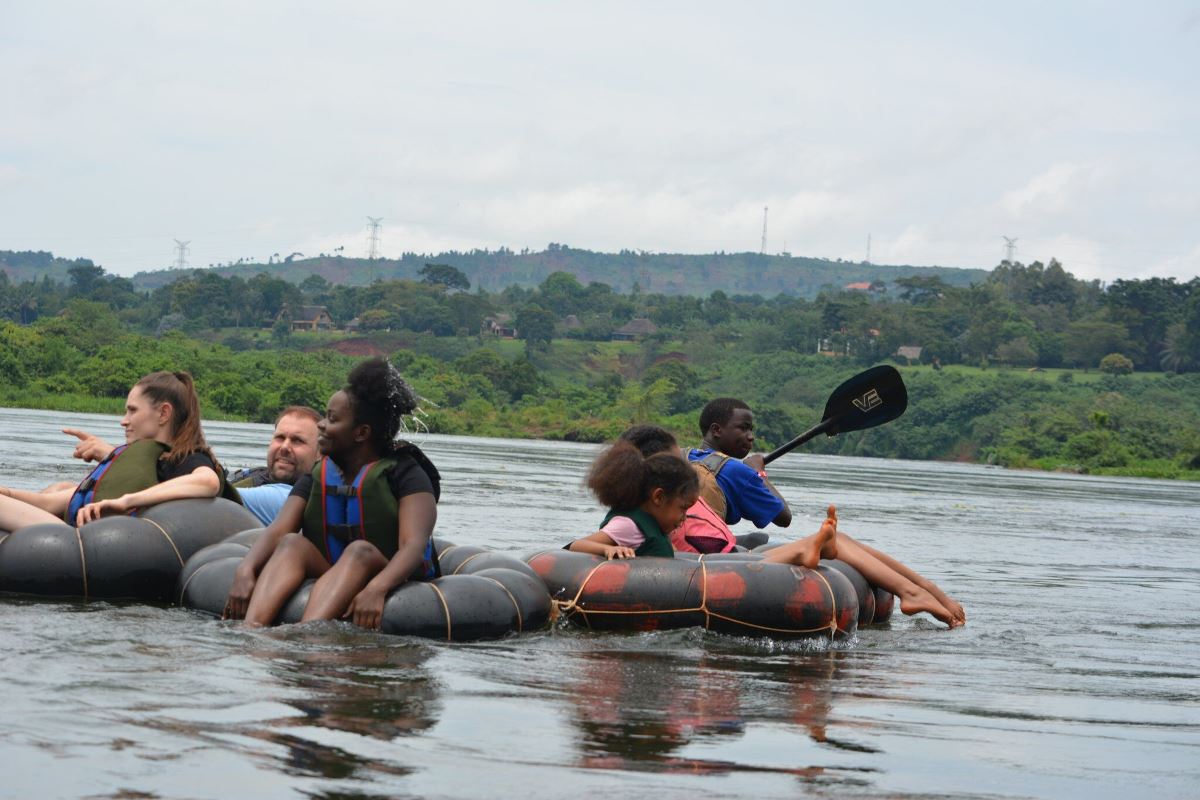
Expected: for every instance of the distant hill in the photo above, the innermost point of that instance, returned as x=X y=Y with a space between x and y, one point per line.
x=668 y=273
x=32 y=265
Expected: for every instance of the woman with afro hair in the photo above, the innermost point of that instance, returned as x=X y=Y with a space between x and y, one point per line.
x=361 y=523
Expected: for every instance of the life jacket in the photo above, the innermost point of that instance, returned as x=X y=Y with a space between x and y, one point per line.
x=249 y=477
x=656 y=542
x=337 y=513
x=703 y=530
x=128 y=468
x=707 y=469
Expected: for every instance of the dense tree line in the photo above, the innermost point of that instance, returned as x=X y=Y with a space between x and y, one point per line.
x=1022 y=315
x=668 y=273
x=85 y=358
x=79 y=343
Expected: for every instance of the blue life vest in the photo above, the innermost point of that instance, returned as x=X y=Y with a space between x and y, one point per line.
x=338 y=513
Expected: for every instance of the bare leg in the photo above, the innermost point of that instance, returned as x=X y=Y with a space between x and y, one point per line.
x=809 y=551
x=294 y=559
x=913 y=597
x=16 y=514
x=953 y=606
x=60 y=486
x=333 y=591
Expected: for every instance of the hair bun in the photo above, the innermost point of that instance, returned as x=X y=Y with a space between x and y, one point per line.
x=401 y=397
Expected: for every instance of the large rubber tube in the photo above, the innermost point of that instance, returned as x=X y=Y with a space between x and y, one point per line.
x=732 y=593
x=885 y=603
x=864 y=590
x=874 y=604
x=120 y=557
x=489 y=602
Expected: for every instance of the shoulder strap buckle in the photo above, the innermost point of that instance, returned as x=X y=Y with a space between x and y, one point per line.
x=713 y=462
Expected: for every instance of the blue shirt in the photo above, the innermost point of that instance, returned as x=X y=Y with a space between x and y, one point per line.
x=266 y=501
x=746 y=495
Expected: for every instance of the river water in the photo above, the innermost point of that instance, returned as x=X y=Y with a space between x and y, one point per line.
x=1076 y=675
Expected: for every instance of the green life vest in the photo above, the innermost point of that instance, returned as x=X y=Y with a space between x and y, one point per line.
x=128 y=468
x=330 y=520
x=656 y=542
x=337 y=512
x=227 y=489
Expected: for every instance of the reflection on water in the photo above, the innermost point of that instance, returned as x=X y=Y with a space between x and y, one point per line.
x=355 y=686
x=644 y=710
x=1075 y=677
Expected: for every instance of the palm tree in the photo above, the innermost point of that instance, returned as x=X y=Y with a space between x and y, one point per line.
x=1181 y=350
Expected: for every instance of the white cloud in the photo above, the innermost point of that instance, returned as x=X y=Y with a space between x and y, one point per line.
x=1048 y=192
x=664 y=127
x=1183 y=266
x=909 y=247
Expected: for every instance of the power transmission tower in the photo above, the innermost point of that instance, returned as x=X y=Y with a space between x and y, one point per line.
x=762 y=248
x=868 y=258
x=373 y=242
x=1010 y=248
x=181 y=250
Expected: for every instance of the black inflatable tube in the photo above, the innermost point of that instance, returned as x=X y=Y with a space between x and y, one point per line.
x=120 y=557
x=875 y=604
x=487 y=602
x=734 y=593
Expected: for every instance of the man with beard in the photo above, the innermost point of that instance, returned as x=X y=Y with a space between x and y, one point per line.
x=291 y=453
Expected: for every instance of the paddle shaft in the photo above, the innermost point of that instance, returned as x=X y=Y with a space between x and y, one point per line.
x=868 y=399
x=815 y=430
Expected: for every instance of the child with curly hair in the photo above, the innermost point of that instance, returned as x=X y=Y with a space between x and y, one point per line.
x=647 y=499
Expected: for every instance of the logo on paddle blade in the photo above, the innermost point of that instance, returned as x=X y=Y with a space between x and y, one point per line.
x=868 y=401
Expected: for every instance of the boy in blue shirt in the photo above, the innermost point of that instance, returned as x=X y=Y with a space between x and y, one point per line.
x=727 y=427
x=734 y=482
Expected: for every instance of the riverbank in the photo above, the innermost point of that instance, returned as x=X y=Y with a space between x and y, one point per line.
x=1145 y=425
x=84 y=404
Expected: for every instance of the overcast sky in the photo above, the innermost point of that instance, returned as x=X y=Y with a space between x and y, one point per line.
x=252 y=128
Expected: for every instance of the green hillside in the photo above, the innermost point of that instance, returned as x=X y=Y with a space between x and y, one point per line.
x=21 y=266
x=665 y=273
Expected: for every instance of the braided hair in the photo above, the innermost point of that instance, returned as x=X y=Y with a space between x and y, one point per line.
x=380 y=398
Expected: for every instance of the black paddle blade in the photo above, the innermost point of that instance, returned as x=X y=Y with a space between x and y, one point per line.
x=868 y=399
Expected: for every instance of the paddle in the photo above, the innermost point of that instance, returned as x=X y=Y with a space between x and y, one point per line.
x=868 y=399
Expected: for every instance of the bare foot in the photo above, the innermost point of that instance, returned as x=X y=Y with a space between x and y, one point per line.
x=949 y=603
x=809 y=551
x=956 y=610
x=921 y=600
x=822 y=544
x=829 y=548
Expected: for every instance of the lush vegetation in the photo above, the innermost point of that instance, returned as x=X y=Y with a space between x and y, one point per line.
x=494 y=270
x=1029 y=368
